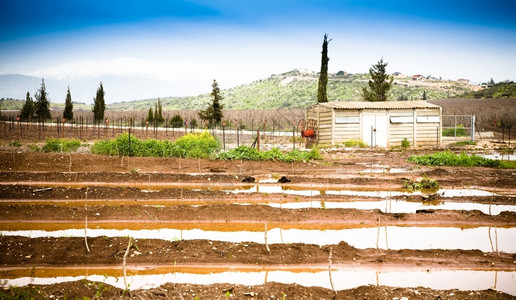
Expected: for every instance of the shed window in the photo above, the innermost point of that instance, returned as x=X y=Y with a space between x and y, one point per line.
x=402 y=119
x=347 y=120
x=428 y=119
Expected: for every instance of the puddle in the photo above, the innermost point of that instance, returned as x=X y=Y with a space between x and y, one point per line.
x=291 y=190
x=342 y=279
x=498 y=156
x=395 y=206
x=486 y=239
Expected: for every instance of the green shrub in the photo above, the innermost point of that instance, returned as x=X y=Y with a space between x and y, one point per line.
x=15 y=144
x=448 y=158
x=355 y=143
x=425 y=185
x=248 y=153
x=61 y=145
x=405 y=143
x=34 y=148
x=196 y=145
x=457 y=131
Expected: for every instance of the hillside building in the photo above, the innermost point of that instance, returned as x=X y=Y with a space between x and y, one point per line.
x=378 y=124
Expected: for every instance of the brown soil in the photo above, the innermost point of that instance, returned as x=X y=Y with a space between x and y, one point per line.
x=60 y=190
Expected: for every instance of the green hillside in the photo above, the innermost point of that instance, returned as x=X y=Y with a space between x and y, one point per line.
x=295 y=89
x=498 y=90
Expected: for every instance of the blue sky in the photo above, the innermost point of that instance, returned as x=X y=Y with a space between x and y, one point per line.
x=179 y=47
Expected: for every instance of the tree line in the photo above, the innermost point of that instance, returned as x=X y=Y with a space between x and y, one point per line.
x=40 y=109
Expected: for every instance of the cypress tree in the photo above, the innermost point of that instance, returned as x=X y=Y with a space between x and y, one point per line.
x=99 y=105
x=68 y=110
x=42 y=103
x=379 y=84
x=29 y=108
x=150 y=116
x=424 y=95
x=160 y=111
x=323 y=77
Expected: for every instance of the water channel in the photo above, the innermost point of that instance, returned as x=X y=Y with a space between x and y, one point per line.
x=342 y=279
x=486 y=239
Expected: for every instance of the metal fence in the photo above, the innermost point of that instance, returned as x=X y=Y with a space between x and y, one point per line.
x=459 y=126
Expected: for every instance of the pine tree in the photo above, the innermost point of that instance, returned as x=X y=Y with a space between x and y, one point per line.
x=99 y=105
x=68 y=110
x=176 y=121
x=491 y=82
x=42 y=103
x=213 y=114
x=379 y=84
x=323 y=77
x=29 y=109
x=150 y=116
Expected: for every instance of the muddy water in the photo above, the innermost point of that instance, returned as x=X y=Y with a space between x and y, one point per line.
x=487 y=239
x=396 y=206
x=342 y=279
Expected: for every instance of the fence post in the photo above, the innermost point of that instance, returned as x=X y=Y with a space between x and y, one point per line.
x=455 y=128
x=294 y=137
x=472 y=128
x=258 y=138
x=224 y=134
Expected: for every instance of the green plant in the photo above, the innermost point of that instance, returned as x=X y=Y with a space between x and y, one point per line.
x=456 y=131
x=355 y=144
x=15 y=293
x=248 y=153
x=448 y=158
x=61 y=145
x=194 y=145
x=405 y=143
x=15 y=143
x=34 y=148
x=425 y=185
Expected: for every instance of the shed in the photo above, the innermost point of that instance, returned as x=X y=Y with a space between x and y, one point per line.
x=378 y=124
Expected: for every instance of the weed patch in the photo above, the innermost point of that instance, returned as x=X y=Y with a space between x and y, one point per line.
x=61 y=145
x=456 y=131
x=15 y=143
x=248 y=153
x=448 y=158
x=355 y=144
x=425 y=185
x=194 y=145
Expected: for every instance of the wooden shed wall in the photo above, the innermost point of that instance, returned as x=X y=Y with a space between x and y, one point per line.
x=347 y=130
x=428 y=134
x=325 y=118
x=347 y=127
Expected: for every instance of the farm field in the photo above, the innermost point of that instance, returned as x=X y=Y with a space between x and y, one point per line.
x=339 y=227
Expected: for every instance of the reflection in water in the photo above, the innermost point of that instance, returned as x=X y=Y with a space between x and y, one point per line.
x=397 y=238
x=396 y=206
x=298 y=191
x=342 y=279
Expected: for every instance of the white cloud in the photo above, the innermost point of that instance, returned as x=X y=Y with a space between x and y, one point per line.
x=122 y=66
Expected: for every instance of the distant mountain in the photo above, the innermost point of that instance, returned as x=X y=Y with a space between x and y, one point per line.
x=83 y=89
x=297 y=89
x=294 y=89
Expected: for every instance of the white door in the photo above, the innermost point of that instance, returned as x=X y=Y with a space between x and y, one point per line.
x=374 y=130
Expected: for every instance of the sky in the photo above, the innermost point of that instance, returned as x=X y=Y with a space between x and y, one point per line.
x=146 y=49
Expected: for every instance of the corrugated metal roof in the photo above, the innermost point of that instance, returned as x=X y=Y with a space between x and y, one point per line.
x=379 y=105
